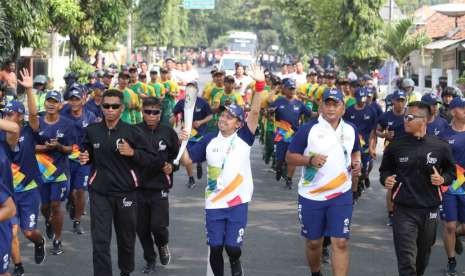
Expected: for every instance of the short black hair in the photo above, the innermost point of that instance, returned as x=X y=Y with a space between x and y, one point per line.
x=113 y=93
x=151 y=101
x=422 y=106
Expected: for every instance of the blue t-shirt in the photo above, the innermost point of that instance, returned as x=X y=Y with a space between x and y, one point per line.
x=23 y=161
x=391 y=122
x=456 y=141
x=94 y=108
x=6 y=189
x=290 y=111
x=54 y=165
x=201 y=111
x=365 y=120
x=437 y=126
x=80 y=123
x=377 y=108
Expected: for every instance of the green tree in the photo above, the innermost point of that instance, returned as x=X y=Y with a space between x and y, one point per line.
x=91 y=25
x=25 y=23
x=6 y=44
x=400 y=41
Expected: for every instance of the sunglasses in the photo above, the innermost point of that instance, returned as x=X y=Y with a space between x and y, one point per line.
x=153 y=112
x=411 y=117
x=112 y=106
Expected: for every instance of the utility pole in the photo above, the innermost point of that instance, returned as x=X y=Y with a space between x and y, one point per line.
x=129 y=39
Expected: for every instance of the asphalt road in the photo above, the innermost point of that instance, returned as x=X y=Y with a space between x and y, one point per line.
x=273 y=245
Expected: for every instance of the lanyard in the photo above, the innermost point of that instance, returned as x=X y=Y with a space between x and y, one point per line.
x=228 y=151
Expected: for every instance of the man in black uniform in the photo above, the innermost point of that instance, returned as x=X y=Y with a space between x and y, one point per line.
x=414 y=167
x=115 y=151
x=152 y=194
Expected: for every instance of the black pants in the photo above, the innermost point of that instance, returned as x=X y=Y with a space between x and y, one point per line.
x=414 y=235
x=153 y=219
x=104 y=210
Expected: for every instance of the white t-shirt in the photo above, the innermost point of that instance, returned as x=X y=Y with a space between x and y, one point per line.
x=319 y=137
x=229 y=175
x=243 y=82
x=300 y=79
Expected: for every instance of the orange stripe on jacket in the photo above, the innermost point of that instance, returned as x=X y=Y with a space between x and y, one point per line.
x=237 y=181
x=333 y=184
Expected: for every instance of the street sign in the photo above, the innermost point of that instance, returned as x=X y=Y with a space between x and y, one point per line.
x=198 y=4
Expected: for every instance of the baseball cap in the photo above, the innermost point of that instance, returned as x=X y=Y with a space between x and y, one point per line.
x=75 y=93
x=398 y=94
x=153 y=71
x=97 y=85
x=361 y=94
x=92 y=75
x=333 y=94
x=457 y=102
x=408 y=83
x=430 y=99
x=236 y=111
x=53 y=95
x=312 y=72
x=14 y=106
x=40 y=79
x=289 y=83
x=108 y=73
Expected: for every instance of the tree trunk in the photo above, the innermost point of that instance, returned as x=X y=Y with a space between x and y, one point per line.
x=401 y=69
x=81 y=51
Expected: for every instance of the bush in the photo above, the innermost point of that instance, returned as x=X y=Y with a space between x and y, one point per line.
x=82 y=68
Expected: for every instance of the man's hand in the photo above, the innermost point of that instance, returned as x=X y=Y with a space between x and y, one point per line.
x=318 y=160
x=84 y=158
x=256 y=73
x=196 y=124
x=390 y=182
x=27 y=78
x=389 y=135
x=183 y=135
x=436 y=178
x=52 y=144
x=125 y=149
x=167 y=168
x=356 y=168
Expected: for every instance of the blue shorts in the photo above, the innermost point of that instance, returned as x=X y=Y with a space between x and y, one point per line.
x=54 y=191
x=453 y=208
x=281 y=149
x=329 y=218
x=27 y=209
x=6 y=236
x=79 y=176
x=226 y=226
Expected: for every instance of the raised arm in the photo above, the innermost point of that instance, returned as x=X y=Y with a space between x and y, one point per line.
x=252 y=119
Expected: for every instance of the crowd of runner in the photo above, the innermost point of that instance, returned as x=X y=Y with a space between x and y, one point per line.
x=116 y=137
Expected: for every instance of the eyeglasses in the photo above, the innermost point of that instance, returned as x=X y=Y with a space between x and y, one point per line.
x=411 y=117
x=112 y=106
x=153 y=112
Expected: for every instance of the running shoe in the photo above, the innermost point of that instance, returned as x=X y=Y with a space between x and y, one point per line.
x=199 y=170
x=367 y=183
x=18 y=271
x=236 y=268
x=458 y=245
x=450 y=269
x=389 y=221
x=191 y=183
x=77 y=228
x=289 y=183
x=56 y=249
x=39 y=252
x=149 y=268
x=49 y=230
x=165 y=255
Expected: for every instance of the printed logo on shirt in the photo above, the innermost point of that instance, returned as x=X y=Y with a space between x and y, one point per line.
x=198 y=109
x=96 y=145
x=84 y=124
x=451 y=142
x=403 y=159
x=366 y=117
x=433 y=215
x=41 y=133
x=390 y=123
x=352 y=117
x=296 y=108
x=281 y=106
x=21 y=139
x=126 y=203
x=161 y=145
x=60 y=134
x=6 y=261
x=436 y=132
x=431 y=160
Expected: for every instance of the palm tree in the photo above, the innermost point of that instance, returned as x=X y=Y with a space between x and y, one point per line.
x=400 y=40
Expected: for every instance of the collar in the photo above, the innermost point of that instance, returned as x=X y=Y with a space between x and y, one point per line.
x=415 y=138
x=326 y=124
x=117 y=126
